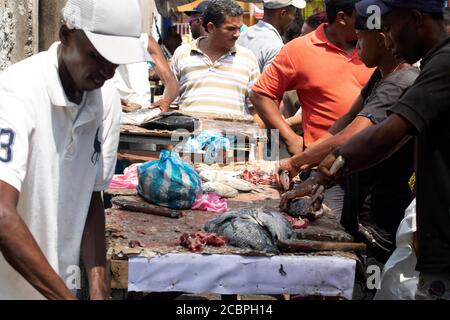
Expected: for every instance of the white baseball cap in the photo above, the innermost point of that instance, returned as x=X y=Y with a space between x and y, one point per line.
x=112 y=26
x=277 y=4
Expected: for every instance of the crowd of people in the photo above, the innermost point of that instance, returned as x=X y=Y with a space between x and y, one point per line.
x=372 y=91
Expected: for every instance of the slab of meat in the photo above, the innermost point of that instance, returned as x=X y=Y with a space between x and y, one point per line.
x=298 y=223
x=197 y=241
x=258 y=177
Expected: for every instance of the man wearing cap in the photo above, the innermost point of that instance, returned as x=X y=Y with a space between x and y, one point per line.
x=215 y=75
x=379 y=196
x=415 y=30
x=196 y=20
x=265 y=38
x=59 y=134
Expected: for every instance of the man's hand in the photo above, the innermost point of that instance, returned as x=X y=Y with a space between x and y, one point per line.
x=286 y=165
x=329 y=175
x=303 y=189
x=163 y=104
x=295 y=145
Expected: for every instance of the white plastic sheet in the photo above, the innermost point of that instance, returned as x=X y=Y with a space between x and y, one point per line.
x=234 y=274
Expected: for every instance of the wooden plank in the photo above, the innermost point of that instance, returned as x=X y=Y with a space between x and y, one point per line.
x=137 y=204
x=311 y=246
x=324 y=233
x=138 y=155
x=119 y=274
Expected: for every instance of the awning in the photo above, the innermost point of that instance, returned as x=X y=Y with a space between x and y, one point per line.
x=165 y=7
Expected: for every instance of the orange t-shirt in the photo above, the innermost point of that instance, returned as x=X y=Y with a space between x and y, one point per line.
x=327 y=80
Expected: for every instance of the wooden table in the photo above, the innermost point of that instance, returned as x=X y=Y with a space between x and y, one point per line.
x=138 y=144
x=133 y=234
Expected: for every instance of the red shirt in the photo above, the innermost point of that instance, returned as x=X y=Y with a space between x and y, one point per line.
x=326 y=79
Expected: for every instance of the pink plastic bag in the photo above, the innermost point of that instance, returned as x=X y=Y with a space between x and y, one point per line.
x=210 y=202
x=129 y=179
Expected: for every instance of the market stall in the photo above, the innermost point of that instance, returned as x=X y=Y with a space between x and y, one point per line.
x=146 y=255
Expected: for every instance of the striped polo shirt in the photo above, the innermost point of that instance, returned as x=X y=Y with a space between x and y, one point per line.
x=220 y=87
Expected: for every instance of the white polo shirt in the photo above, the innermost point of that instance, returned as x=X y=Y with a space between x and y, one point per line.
x=56 y=154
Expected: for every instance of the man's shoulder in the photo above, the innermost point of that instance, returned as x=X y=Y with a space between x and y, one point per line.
x=21 y=75
x=23 y=81
x=405 y=77
x=243 y=51
x=300 y=43
x=110 y=96
x=440 y=59
x=185 y=48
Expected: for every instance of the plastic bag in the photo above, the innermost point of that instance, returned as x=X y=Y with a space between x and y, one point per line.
x=169 y=182
x=212 y=142
x=399 y=279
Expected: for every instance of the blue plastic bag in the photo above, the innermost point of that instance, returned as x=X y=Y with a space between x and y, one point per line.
x=169 y=182
x=213 y=142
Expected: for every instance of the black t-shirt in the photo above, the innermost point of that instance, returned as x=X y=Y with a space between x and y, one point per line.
x=426 y=106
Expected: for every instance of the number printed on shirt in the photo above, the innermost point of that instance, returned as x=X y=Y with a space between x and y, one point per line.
x=6 y=142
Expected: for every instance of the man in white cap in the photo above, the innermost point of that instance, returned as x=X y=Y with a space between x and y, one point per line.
x=59 y=132
x=265 y=38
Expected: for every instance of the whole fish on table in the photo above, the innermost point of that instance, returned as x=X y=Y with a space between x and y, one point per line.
x=252 y=228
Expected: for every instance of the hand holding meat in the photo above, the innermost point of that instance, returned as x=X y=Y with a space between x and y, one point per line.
x=283 y=167
x=303 y=189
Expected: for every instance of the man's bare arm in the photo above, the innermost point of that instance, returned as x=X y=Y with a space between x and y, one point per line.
x=314 y=155
x=371 y=146
x=268 y=110
x=93 y=249
x=22 y=252
x=167 y=77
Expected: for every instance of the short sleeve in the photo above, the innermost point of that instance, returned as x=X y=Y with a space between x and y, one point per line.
x=381 y=100
x=175 y=64
x=429 y=97
x=16 y=128
x=278 y=78
x=253 y=77
x=271 y=54
x=368 y=88
x=110 y=133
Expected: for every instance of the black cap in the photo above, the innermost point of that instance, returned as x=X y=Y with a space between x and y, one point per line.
x=385 y=6
x=198 y=9
x=340 y=3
